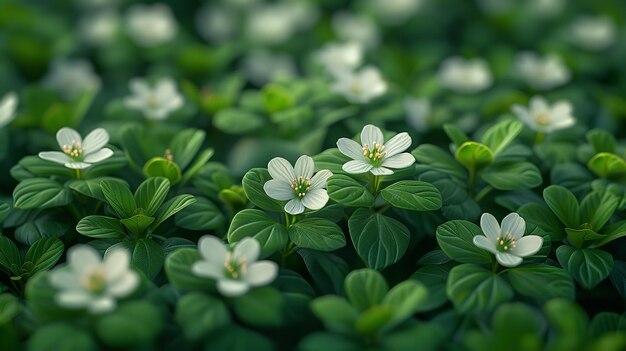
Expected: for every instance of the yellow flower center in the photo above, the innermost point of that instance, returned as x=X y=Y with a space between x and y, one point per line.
x=95 y=281
x=74 y=150
x=301 y=186
x=235 y=268
x=376 y=154
x=505 y=243
x=542 y=119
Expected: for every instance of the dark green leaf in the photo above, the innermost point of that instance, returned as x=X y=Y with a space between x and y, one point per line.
x=151 y=193
x=348 y=192
x=413 y=195
x=40 y=193
x=253 y=183
x=317 y=234
x=101 y=227
x=587 y=266
x=255 y=223
x=474 y=290
x=120 y=198
x=456 y=239
x=44 y=254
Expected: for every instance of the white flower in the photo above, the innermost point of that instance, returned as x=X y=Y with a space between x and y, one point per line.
x=270 y=25
x=78 y=153
x=541 y=117
x=100 y=28
x=465 y=76
x=546 y=8
x=297 y=185
x=236 y=271
x=71 y=77
x=395 y=12
x=541 y=73
x=89 y=282
x=361 y=86
x=418 y=113
x=353 y=28
x=151 y=25
x=508 y=243
x=261 y=67
x=156 y=102
x=8 y=105
x=374 y=155
x=593 y=33
x=217 y=24
x=340 y=58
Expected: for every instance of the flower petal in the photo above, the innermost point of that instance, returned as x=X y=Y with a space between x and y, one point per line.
x=315 y=199
x=294 y=207
x=513 y=224
x=139 y=87
x=279 y=190
x=381 y=171
x=66 y=136
x=232 y=288
x=261 y=273
x=99 y=155
x=77 y=165
x=116 y=262
x=73 y=298
x=124 y=285
x=248 y=248
x=489 y=225
x=351 y=149
x=528 y=245
x=102 y=305
x=371 y=135
x=485 y=243
x=319 y=179
x=206 y=269
x=304 y=167
x=95 y=140
x=356 y=167
x=212 y=249
x=397 y=144
x=55 y=156
x=64 y=278
x=402 y=160
x=281 y=169
x=508 y=260
x=82 y=257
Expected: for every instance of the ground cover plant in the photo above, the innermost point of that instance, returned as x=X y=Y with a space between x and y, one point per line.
x=312 y=175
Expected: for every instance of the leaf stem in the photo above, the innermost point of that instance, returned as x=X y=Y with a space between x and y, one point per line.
x=539 y=138
x=375 y=184
x=77 y=173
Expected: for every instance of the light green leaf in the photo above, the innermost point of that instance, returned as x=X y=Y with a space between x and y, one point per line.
x=137 y=224
x=365 y=288
x=237 y=121
x=607 y=165
x=335 y=312
x=499 y=136
x=186 y=145
x=474 y=156
x=162 y=167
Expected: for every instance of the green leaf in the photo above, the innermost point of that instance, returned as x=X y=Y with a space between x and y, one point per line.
x=261 y=307
x=512 y=176
x=235 y=338
x=43 y=168
x=542 y=282
x=456 y=135
x=186 y=145
x=148 y=256
x=255 y=223
x=202 y=215
x=277 y=98
x=618 y=277
x=55 y=337
x=329 y=342
x=237 y=121
x=9 y=308
x=178 y=271
x=587 y=266
x=475 y=290
x=456 y=239
x=151 y=193
x=365 y=288
x=317 y=234
x=101 y=227
x=137 y=224
x=120 y=198
x=162 y=167
x=200 y=314
x=440 y=160
x=413 y=195
x=379 y=240
x=44 y=254
x=40 y=193
x=328 y=271
x=607 y=322
x=132 y=324
x=252 y=183
x=371 y=321
x=10 y=258
x=541 y=216
x=5 y=209
x=91 y=187
x=597 y=208
x=434 y=278
x=347 y=191
x=172 y=207
x=601 y=140
x=564 y=205
x=570 y=323
x=197 y=165
x=474 y=156
x=607 y=165
x=406 y=298
x=335 y=312
x=499 y=136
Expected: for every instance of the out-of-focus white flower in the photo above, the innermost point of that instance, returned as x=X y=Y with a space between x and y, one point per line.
x=396 y=12
x=340 y=58
x=269 y=25
x=217 y=23
x=374 y=154
x=353 y=28
x=545 y=8
x=100 y=28
x=235 y=271
x=297 y=185
x=508 y=242
x=72 y=77
x=544 y=118
x=593 y=33
x=261 y=67
x=465 y=76
x=151 y=25
x=8 y=105
x=155 y=102
x=78 y=153
x=360 y=87
x=418 y=111
x=541 y=73
x=89 y=282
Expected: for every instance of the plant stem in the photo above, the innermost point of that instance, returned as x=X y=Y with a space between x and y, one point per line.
x=77 y=173
x=539 y=138
x=484 y=192
x=375 y=184
x=472 y=181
